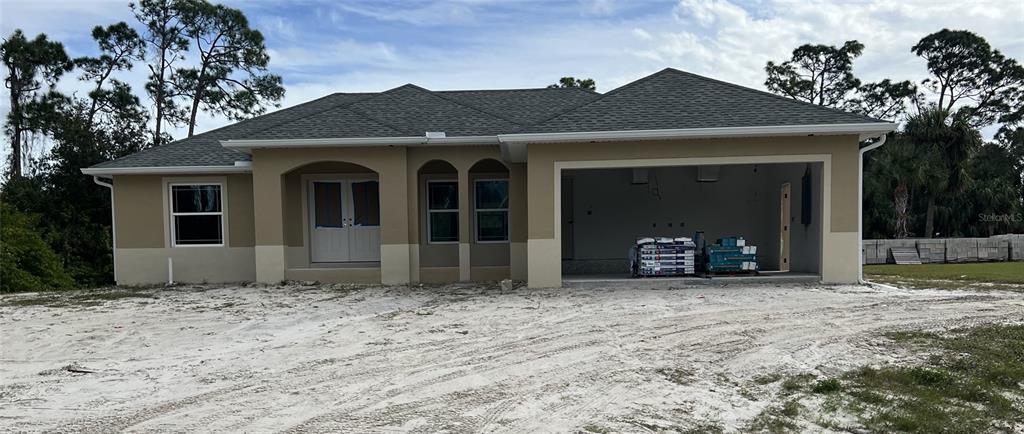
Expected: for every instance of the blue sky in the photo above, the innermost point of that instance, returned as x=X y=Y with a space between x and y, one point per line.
x=330 y=46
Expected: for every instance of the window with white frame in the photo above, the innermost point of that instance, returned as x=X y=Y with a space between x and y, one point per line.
x=197 y=216
x=443 y=211
x=491 y=205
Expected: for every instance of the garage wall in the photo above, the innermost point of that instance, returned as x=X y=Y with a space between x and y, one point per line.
x=805 y=240
x=610 y=212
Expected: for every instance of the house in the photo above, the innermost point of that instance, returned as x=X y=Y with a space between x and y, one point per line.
x=415 y=185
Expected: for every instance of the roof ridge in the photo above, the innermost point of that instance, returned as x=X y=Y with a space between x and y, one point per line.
x=458 y=103
x=473 y=107
x=374 y=118
x=602 y=96
x=714 y=80
x=519 y=89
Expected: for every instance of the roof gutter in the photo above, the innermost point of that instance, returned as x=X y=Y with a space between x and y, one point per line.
x=239 y=167
x=863 y=130
x=860 y=206
x=247 y=145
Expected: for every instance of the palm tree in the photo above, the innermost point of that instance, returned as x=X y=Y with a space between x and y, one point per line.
x=951 y=141
x=900 y=169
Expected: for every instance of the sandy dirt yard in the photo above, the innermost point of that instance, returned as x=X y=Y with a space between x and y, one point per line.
x=459 y=358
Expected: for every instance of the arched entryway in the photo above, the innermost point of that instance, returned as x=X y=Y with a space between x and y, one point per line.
x=489 y=222
x=332 y=215
x=438 y=196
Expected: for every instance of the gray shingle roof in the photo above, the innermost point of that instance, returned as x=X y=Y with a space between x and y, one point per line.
x=668 y=99
x=673 y=99
x=204 y=149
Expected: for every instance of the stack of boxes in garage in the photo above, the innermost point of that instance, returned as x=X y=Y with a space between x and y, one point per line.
x=730 y=255
x=663 y=256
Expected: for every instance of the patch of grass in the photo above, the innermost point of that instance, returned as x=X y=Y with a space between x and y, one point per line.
x=983 y=275
x=911 y=336
x=676 y=375
x=827 y=386
x=973 y=385
x=765 y=379
x=702 y=428
x=595 y=429
x=970 y=381
x=796 y=383
x=777 y=419
x=76 y=298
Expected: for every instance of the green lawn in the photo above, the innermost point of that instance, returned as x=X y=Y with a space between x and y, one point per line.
x=984 y=275
x=970 y=382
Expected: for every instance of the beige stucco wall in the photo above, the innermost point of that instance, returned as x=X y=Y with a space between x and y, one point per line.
x=840 y=179
x=141 y=213
x=437 y=260
x=264 y=224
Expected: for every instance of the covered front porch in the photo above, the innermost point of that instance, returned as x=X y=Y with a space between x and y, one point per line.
x=388 y=215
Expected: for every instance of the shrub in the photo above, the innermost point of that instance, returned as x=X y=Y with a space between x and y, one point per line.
x=27 y=263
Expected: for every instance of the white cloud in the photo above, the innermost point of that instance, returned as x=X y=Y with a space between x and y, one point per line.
x=599 y=7
x=339 y=52
x=728 y=40
x=434 y=13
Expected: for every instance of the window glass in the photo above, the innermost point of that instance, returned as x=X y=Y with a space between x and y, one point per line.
x=197 y=229
x=443 y=195
x=492 y=225
x=366 y=203
x=491 y=199
x=444 y=227
x=196 y=198
x=443 y=211
x=196 y=214
x=327 y=204
x=492 y=194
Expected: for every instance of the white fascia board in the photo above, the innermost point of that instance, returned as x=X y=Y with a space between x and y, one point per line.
x=246 y=144
x=864 y=130
x=167 y=170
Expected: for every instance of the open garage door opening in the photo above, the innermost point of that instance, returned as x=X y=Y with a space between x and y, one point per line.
x=775 y=207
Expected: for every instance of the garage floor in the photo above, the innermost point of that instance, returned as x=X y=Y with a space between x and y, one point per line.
x=763 y=277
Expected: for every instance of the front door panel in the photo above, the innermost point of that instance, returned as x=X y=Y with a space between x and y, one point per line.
x=329 y=236
x=344 y=221
x=364 y=223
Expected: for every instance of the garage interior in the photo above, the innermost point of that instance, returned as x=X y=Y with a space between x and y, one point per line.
x=605 y=211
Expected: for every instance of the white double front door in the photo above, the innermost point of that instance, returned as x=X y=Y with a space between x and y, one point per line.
x=344 y=220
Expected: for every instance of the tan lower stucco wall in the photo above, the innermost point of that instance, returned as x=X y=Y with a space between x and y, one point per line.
x=139 y=266
x=451 y=274
x=439 y=274
x=840 y=258
x=488 y=274
x=334 y=275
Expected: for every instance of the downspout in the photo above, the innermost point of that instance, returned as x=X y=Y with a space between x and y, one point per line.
x=113 y=224
x=860 y=208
